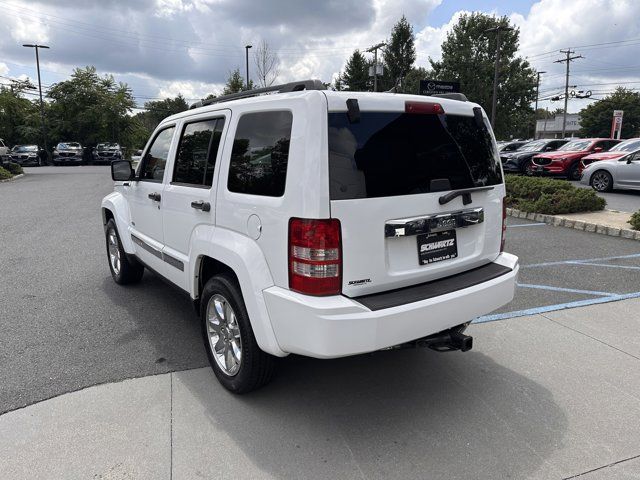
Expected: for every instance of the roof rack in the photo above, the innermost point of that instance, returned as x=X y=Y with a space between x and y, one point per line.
x=452 y=96
x=287 y=87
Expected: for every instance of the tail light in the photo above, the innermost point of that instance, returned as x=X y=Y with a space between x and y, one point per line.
x=423 y=107
x=504 y=225
x=315 y=256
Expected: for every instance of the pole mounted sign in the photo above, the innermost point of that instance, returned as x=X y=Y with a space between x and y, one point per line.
x=432 y=87
x=616 y=124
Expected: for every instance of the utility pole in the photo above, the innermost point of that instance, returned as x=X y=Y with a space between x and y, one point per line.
x=535 y=120
x=42 y=124
x=246 y=49
x=568 y=60
x=374 y=49
x=494 y=101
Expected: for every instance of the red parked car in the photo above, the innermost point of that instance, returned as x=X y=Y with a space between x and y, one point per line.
x=619 y=151
x=565 y=162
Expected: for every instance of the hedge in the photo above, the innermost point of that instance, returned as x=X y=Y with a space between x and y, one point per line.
x=635 y=220
x=4 y=174
x=14 y=168
x=550 y=196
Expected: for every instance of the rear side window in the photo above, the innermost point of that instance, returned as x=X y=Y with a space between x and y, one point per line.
x=156 y=157
x=260 y=154
x=197 y=152
x=396 y=153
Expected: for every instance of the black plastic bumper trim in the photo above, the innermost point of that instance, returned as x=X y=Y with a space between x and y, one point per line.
x=423 y=291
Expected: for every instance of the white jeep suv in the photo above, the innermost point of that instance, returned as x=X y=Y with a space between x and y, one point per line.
x=319 y=223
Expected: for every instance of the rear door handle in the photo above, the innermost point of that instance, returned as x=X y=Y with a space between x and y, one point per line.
x=200 y=205
x=155 y=196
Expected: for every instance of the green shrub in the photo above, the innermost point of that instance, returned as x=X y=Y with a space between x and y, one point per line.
x=635 y=220
x=4 y=174
x=14 y=168
x=550 y=196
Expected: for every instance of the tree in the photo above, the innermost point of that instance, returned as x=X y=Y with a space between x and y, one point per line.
x=411 y=83
x=157 y=110
x=235 y=83
x=356 y=73
x=89 y=108
x=468 y=55
x=400 y=53
x=595 y=120
x=267 y=64
x=19 y=117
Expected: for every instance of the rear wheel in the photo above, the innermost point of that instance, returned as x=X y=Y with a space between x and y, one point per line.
x=574 y=172
x=602 y=181
x=123 y=270
x=237 y=360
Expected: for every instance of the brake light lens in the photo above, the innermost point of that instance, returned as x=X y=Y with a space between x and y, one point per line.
x=504 y=225
x=423 y=107
x=315 y=256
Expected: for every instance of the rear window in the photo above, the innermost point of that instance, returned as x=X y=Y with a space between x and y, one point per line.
x=395 y=153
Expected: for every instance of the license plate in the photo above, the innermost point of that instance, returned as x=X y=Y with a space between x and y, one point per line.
x=436 y=247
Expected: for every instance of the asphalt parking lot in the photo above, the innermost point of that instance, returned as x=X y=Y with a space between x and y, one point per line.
x=549 y=391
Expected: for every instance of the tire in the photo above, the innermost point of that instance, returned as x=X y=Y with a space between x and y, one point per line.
x=527 y=168
x=574 y=173
x=237 y=360
x=123 y=270
x=601 y=181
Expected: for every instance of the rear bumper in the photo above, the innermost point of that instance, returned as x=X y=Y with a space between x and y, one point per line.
x=337 y=326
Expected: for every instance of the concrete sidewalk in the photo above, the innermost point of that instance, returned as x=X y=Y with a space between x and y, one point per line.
x=548 y=396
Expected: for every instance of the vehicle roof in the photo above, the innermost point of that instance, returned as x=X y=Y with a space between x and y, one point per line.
x=336 y=101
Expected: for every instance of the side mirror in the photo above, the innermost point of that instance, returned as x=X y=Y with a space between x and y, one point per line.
x=121 y=170
x=597 y=149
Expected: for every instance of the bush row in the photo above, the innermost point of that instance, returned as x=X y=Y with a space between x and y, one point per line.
x=635 y=220
x=14 y=168
x=4 y=174
x=550 y=196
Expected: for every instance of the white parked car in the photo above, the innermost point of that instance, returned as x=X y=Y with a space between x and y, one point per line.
x=620 y=173
x=318 y=223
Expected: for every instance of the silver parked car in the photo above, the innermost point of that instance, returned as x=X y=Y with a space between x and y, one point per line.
x=68 y=153
x=622 y=173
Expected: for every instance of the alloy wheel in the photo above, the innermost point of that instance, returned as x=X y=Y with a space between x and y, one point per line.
x=600 y=181
x=223 y=332
x=114 y=251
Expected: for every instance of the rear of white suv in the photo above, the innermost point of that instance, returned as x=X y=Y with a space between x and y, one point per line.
x=413 y=245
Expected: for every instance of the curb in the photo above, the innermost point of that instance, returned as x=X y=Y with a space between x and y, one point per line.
x=557 y=221
x=12 y=178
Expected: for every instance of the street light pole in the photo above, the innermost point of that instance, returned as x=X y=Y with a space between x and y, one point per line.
x=42 y=124
x=498 y=29
x=535 y=112
x=246 y=50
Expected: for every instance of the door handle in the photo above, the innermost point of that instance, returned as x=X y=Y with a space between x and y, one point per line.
x=200 y=205
x=155 y=196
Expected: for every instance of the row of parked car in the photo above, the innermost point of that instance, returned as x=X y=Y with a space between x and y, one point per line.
x=603 y=163
x=65 y=153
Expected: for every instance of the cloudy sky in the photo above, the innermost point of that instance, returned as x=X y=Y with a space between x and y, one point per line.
x=165 y=47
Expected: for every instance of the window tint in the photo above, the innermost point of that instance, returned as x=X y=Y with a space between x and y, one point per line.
x=395 y=153
x=197 y=151
x=156 y=157
x=260 y=154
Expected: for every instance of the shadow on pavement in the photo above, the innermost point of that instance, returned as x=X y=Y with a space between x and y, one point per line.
x=394 y=414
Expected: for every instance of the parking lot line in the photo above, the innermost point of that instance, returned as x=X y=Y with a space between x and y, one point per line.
x=568 y=290
x=583 y=261
x=558 y=306
x=526 y=225
x=592 y=264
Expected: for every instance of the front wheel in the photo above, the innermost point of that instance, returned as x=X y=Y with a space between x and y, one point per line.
x=237 y=360
x=527 y=168
x=602 y=181
x=123 y=270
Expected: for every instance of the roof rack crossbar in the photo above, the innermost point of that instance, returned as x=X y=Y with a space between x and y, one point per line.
x=287 y=87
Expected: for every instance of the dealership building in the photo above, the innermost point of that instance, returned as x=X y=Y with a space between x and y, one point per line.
x=552 y=127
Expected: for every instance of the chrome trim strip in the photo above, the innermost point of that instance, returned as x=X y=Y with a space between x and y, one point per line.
x=403 y=227
x=174 y=262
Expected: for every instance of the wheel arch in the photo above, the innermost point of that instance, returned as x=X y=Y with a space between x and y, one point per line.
x=114 y=206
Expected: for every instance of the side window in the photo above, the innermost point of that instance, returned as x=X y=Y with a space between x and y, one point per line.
x=156 y=158
x=260 y=154
x=197 y=152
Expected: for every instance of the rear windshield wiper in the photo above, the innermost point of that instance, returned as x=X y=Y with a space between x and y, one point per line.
x=465 y=193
